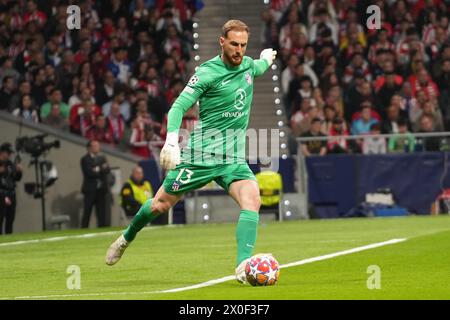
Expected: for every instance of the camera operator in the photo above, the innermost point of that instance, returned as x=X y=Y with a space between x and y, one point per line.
x=95 y=187
x=10 y=173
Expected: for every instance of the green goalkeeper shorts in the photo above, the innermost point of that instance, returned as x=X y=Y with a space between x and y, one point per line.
x=187 y=177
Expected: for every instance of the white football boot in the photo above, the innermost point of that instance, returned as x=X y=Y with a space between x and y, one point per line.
x=240 y=272
x=116 y=250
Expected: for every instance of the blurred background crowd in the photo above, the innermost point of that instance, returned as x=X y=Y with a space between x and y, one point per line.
x=112 y=81
x=340 y=78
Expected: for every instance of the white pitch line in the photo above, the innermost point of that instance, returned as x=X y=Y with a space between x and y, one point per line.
x=79 y=236
x=342 y=253
x=220 y=280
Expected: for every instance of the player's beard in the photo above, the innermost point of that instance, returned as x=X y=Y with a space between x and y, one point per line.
x=234 y=59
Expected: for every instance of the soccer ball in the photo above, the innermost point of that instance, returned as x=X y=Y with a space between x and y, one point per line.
x=262 y=270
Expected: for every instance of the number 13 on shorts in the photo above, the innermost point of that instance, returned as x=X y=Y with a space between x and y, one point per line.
x=189 y=174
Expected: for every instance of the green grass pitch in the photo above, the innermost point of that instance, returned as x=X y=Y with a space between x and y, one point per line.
x=164 y=258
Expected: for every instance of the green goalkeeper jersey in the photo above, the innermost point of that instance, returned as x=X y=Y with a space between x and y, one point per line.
x=225 y=94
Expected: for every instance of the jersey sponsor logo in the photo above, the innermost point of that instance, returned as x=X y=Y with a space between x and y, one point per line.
x=225 y=82
x=248 y=78
x=193 y=80
x=239 y=99
x=236 y=114
x=188 y=90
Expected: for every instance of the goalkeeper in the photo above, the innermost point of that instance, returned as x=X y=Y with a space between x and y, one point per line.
x=224 y=88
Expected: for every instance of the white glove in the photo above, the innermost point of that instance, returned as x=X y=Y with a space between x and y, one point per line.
x=170 y=153
x=269 y=55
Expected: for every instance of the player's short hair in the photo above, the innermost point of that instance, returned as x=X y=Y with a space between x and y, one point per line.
x=234 y=25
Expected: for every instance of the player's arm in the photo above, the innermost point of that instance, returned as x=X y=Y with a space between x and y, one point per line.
x=197 y=85
x=264 y=62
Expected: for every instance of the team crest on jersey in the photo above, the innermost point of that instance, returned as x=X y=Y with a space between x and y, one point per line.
x=248 y=78
x=193 y=80
x=175 y=186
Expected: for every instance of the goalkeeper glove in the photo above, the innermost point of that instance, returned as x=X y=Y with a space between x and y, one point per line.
x=269 y=55
x=170 y=153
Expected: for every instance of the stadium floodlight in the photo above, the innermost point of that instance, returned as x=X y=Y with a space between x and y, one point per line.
x=280 y=123
x=275 y=77
x=277 y=101
x=279 y=112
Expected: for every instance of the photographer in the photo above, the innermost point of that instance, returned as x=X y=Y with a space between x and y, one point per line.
x=10 y=173
x=95 y=187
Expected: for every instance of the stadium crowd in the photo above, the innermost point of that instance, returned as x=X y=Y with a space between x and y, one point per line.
x=340 y=78
x=112 y=81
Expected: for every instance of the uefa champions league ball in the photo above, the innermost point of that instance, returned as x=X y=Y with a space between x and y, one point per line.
x=262 y=270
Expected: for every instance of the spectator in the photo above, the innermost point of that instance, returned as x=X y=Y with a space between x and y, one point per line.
x=430 y=109
x=99 y=131
x=425 y=84
x=330 y=114
x=83 y=116
x=105 y=91
x=337 y=145
x=119 y=97
x=135 y=192
x=357 y=62
x=323 y=22
x=95 y=170
x=299 y=115
x=56 y=120
x=402 y=143
x=24 y=89
x=314 y=147
x=387 y=90
x=356 y=98
x=306 y=123
x=427 y=126
x=38 y=87
x=119 y=66
x=10 y=173
x=289 y=72
x=145 y=142
x=374 y=145
x=116 y=123
x=382 y=43
x=27 y=110
x=6 y=93
x=363 y=125
x=173 y=42
x=305 y=91
x=56 y=98
x=83 y=94
x=7 y=70
x=390 y=125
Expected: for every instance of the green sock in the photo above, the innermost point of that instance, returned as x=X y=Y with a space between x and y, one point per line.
x=246 y=234
x=139 y=221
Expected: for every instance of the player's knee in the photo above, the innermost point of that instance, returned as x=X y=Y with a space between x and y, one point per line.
x=253 y=203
